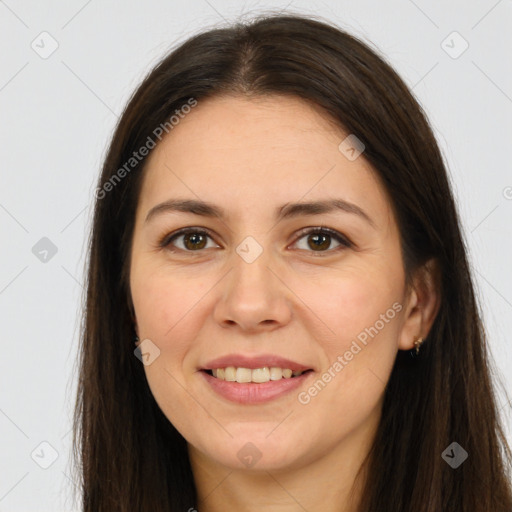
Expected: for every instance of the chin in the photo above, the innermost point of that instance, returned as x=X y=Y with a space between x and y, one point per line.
x=255 y=451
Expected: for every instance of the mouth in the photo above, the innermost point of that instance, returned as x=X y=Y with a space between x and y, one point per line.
x=261 y=375
x=252 y=379
x=263 y=389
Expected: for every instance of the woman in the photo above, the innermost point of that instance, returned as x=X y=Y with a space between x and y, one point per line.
x=279 y=308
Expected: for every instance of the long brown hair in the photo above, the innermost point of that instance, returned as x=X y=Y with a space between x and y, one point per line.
x=130 y=457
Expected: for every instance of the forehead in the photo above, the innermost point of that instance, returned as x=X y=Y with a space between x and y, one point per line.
x=253 y=154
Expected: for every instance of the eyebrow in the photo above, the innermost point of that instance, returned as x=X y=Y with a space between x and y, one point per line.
x=286 y=211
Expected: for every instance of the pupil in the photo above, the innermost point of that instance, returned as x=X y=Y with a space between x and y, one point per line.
x=194 y=238
x=321 y=245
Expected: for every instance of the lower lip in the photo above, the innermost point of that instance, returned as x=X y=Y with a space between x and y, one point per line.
x=253 y=393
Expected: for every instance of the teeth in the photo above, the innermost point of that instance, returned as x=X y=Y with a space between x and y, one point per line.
x=243 y=375
x=276 y=373
x=259 y=375
x=230 y=373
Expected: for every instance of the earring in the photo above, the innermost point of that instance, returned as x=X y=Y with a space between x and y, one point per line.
x=417 y=344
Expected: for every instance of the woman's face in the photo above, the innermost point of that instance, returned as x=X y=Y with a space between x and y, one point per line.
x=258 y=284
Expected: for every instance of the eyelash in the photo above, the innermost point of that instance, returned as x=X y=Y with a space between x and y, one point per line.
x=166 y=240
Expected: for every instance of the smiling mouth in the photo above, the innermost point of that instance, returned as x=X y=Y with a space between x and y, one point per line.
x=256 y=375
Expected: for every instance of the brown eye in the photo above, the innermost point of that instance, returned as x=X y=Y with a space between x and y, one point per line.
x=192 y=240
x=320 y=239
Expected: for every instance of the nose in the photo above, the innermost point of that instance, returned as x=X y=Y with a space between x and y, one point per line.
x=253 y=296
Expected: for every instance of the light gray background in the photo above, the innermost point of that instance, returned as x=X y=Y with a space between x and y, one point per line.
x=58 y=113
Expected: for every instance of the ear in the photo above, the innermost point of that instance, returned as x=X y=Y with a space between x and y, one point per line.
x=421 y=305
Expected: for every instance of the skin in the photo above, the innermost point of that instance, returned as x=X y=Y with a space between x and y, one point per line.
x=309 y=304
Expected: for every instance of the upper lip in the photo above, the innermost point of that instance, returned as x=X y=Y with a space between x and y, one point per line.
x=252 y=362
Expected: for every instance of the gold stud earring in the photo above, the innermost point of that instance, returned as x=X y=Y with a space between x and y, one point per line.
x=417 y=344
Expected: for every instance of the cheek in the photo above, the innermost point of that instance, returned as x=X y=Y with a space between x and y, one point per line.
x=164 y=306
x=163 y=299
x=361 y=312
x=352 y=302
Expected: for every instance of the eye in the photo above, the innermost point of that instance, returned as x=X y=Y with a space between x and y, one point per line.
x=193 y=239
x=321 y=237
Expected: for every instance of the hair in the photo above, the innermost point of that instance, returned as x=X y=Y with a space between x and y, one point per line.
x=131 y=456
